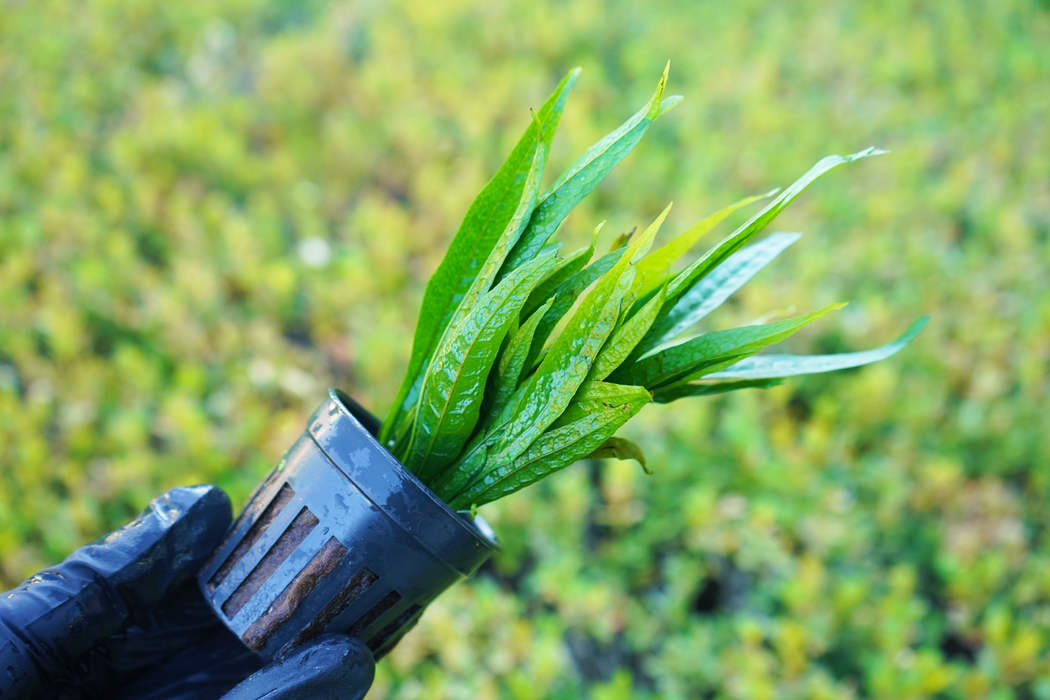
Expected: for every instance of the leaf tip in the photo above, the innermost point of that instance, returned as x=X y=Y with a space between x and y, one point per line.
x=869 y=151
x=916 y=327
x=570 y=78
x=654 y=107
x=668 y=104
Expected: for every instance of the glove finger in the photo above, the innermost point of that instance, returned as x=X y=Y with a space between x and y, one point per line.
x=334 y=666
x=202 y=671
x=183 y=622
x=54 y=617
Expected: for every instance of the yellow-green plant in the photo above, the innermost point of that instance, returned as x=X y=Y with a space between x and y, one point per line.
x=488 y=406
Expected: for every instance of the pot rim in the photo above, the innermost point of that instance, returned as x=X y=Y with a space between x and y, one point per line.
x=477 y=527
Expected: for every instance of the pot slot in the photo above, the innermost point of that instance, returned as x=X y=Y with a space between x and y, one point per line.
x=360 y=583
x=287 y=543
x=378 y=641
x=282 y=609
x=265 y=520
x=365 y=621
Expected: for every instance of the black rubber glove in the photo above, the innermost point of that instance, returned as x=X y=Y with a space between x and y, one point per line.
x=123 y=619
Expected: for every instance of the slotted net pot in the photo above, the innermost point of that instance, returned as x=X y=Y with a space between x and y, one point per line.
x=340 y=537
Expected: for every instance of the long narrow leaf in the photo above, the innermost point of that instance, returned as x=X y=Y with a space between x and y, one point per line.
x=710 y=351
x=570 y=358
x=552 y=451
x=686 y=389
x=564 y=298
x=512 y=362
x=622 y=449
x=585 y=174
x=712 y=291
x=623 y=341
x=765 y=366
x=657 y=263
x=471 y=461
x=484 y=223
x=688 y=277
x=595 y=397
x=566 y=270
x=623 y=240
x=487 y=273
x=455 y=382
x=591 y=398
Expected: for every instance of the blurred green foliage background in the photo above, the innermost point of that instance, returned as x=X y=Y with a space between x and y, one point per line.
x=211 y=211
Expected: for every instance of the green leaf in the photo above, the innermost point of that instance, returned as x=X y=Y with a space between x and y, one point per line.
x=566 y=296
x=485 y=276
x=404 y=432
x=685 y=389
x=626 y=337
x=620 y=448
x=566 y=269
x=512 y=363
x=684 y=281
x=553 y=450
x=590 y=398
x=710 y=352
x=712 y=290
x=652 y=270
x=569 y=360
x=623 y=240
x=764 y=366
x=584 y=175
x=597 y=396
x=455 y=381
x=471 y=461
x=670 y=103
x=482 y=227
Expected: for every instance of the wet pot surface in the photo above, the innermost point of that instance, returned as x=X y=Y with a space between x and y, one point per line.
x=339 y=538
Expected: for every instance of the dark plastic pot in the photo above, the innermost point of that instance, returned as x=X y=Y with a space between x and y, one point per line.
x=339 y=538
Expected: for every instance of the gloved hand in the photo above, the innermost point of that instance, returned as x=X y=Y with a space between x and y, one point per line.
x=123 y=619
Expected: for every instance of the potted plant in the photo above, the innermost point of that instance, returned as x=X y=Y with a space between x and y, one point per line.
x=361 y=525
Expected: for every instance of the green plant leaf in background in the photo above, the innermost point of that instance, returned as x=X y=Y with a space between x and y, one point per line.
x=713 y=289
x=710 y=351
x=584 y=175
x=456 y=378
x=768 y=366
x=555 y=449
x=483 y=225
x=620 y=448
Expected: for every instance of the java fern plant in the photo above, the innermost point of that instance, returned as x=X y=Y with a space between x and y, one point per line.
x=490 y=404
